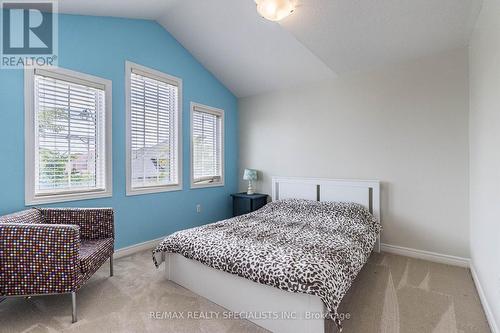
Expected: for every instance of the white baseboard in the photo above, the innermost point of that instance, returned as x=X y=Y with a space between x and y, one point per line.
x=426 y=255
x=484 y=301
x=126 y=251
x=400 y=250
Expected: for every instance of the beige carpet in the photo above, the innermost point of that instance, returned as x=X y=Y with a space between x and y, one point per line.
x=392 y=294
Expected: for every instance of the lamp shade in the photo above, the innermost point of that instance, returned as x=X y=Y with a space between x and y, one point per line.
x=250 y=174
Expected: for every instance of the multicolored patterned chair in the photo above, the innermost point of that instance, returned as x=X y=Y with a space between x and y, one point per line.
x=53 y=251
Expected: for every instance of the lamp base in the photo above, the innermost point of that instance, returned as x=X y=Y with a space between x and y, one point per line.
x=250 y=189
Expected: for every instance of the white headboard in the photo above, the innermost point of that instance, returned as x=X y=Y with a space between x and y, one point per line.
x=364 y=192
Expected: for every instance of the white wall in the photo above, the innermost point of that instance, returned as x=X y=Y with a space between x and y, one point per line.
x=485 y=154
x=406 y=125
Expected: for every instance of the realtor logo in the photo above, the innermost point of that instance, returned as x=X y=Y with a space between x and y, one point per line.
x=29 y=34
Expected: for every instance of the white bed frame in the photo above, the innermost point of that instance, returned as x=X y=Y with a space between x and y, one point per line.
x=250 y=299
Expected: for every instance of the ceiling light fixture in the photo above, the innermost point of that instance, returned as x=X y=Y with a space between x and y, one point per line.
x=275 y=10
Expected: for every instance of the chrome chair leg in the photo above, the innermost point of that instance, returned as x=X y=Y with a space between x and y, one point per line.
x=73 y=306
x=111 y=265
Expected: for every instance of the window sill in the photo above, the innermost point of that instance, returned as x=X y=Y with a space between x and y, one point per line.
x=55 y=198
x=151 y=190
x=195 y=186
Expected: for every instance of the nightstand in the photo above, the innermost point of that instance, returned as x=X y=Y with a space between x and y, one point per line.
x=245 y=203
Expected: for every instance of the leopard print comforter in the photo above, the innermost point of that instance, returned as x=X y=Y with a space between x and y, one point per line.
x=299 y=246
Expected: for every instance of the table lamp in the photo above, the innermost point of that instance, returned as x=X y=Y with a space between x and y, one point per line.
x=250 y=175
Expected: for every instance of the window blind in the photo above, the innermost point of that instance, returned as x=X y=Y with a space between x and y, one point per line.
x=153 y=131
x=70 y=140
x=207 y=146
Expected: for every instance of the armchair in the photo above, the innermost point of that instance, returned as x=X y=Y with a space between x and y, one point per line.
x=53 y=251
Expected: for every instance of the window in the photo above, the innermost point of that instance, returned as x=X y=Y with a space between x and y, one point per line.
x=68 y=136
x=207 y=146
x=153 y=136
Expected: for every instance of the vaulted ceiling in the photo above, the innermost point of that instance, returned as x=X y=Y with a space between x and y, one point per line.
x=322 y=39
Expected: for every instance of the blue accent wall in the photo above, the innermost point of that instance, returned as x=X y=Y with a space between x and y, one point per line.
x=100 y=46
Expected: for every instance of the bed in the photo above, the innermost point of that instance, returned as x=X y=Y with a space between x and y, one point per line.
x=287 y=266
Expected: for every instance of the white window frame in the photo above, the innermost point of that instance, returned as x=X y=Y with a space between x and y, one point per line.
x=217 y=112
x=30 y=137
x=153 y=73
